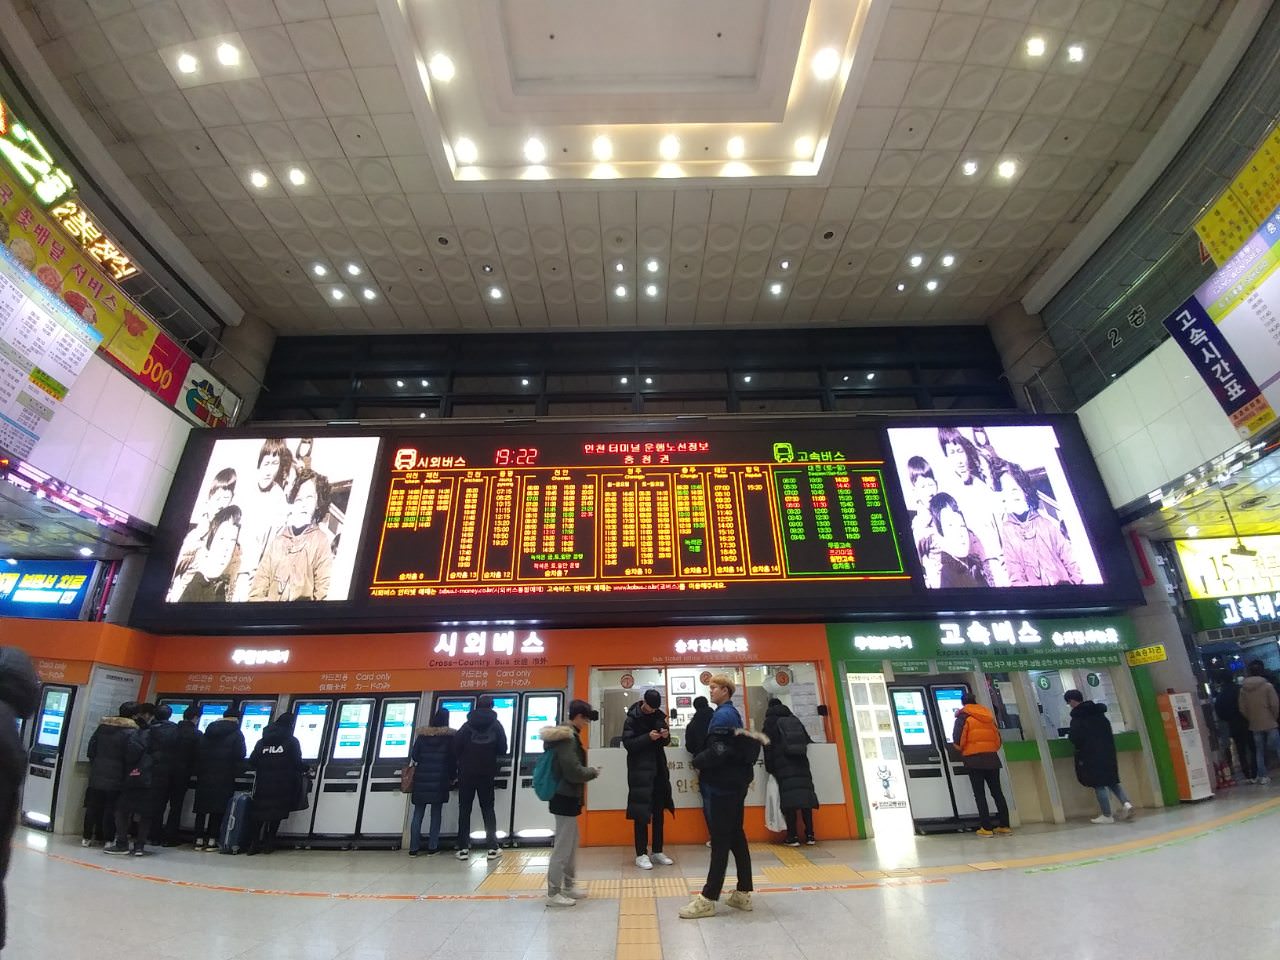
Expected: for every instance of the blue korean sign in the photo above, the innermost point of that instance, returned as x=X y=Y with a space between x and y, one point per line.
x=1216 y=362
x=45 y=589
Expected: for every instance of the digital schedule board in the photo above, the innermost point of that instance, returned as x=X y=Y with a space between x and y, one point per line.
x=630 y=521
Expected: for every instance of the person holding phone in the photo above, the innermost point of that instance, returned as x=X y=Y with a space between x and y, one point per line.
x=572 y=774
x=645 y=736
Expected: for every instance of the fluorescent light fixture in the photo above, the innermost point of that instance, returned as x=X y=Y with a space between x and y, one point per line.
x=426 y=383
x=651 y=265
x=464 y=151
x=399 y=383
x=948 y=260
x=784 y=264
x=804 y=147
x=670 y=170
x=619 y=267
x=775 y=289
x=736 y=168
x=319 y=269
x=901 y=287
x=86 y=552
x=669 y=147
x=441 y=68
x=619 y=291
x=624 y=380
x=495 y=293
x=524 y=381
x=651 y=290
x=187 y=63
x=258 y=179
x=1007 y=169
x=296 y=176
x=368 y=294
x=535 y=151
x=1075 y=53
x=736 y=148
x=604 y=171
x=602 y=148
x=1035 y=47
x=422 y=416
x=970 y=167
x=648 y=381
x=338 y=294
x=228 y=55
x=931 y=285
x=871 y=376
x=353 y=270
x=746 y=378
x=826 y=63
x=916 y=260
x=35 y=817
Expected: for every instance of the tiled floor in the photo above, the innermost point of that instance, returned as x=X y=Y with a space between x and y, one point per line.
x=1186 y=882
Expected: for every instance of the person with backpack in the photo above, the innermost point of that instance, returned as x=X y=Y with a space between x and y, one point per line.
x=787 y=759
x=277 y=784
x=435 y=768
x=480 y=742
x=219 y=760
x=726 y=765
x=645 y=737
x=106 y=775
x=695 y=739
x=560 y=777
x=136 y=802
x=977 y=738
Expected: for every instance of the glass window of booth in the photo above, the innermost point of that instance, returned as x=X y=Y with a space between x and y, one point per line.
x=1004 y=704
x=795 y=684
x=1096 y=683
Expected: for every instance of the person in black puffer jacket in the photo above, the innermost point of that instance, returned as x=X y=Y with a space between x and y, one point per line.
x=695 y=738
x=106 y=776
x=137 y=799
x=480 y=743
x=645 y=736
x=435 y=768
x=19 y=697
x=166 y=737
x=180 y=761
x=219 y=760
x=277 y=786
x=787 y=759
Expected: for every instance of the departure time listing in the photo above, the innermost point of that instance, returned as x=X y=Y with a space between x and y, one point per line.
x=646 y=516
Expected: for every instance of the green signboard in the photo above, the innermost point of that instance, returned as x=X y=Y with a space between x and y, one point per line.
x=1225 y=612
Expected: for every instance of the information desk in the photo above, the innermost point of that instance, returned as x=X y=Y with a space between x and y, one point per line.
x=649 y=516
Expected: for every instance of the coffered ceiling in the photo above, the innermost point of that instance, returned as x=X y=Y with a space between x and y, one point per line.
x=306 y=151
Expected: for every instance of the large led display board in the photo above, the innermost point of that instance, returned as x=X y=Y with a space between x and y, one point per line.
x=577 y=522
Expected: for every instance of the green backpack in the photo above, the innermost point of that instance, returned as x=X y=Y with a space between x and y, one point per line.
x=545 y=779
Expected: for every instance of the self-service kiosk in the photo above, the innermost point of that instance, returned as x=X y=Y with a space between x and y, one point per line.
x=337 y=806
x=48 y=746
x=312 y=730
x=938 y=789
x=383 y=806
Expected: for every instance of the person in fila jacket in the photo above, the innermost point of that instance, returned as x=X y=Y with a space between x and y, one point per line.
x=278 y=767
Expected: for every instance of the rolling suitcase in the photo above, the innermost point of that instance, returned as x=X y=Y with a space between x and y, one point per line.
x=235 y=824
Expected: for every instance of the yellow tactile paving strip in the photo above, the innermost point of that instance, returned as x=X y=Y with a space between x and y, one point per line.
x=520 y=873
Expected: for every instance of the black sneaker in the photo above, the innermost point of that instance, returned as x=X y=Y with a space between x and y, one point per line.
x=811 y=841
x=463 y=853
x=432 y=853
x=413 y=853
x=791 y=842
x=139 y=852
x=493 y=854
x=116 y=850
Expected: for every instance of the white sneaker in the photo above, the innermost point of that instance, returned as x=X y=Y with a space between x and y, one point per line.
x=1264 y=780
x=86 y=843
x=662 y=859
x=643 y=862
x=575 y=893
x=1127 y=812
x=708 y=843
x=560 y=900
x=1103 y=819
x=463 y=854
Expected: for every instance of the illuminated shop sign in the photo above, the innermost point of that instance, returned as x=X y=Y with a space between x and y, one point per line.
x=1008 y=637
x=46 y=589
x=82 y=228
x=259 y=657
x=1221 y=612
x=1216 y=567
x=26 y=156
x=481 y=643
x=713 y=645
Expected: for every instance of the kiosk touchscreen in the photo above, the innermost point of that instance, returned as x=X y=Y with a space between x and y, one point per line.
x=353 y=730
x=505 y=708
x=458 y=708
x=210 y=711
x=912 y=719
x=44 y=766
x=309 y=728
x=53 y=717
x=255 y=715
x=949 y=700
x=397 y=729
x=540 y=710
x=179 y=707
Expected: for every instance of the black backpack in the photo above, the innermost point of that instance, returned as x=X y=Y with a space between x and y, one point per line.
x=793 y=735
x=485 y=737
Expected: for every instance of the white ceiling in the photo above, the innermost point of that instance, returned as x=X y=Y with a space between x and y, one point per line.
x=319 y=89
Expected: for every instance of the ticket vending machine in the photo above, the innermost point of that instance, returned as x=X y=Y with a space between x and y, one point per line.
x=255 y=716
x=337 y=804
x=312 y=730
x=44 y=766
x=531 y=820
x=382 y=812
x=211 y=710
x=937 y=787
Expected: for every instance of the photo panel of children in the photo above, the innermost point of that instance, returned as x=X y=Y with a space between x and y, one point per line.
x=991 y=507
x=276 y=520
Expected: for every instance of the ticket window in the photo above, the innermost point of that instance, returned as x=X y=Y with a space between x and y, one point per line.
x=1004 y=706
x=795 y=684
x=1096 y=683
x=615 y=691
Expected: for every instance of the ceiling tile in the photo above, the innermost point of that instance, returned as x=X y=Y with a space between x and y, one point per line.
x=252 y=13
x=165 y=23
x=317 y=44
x=364 y=40
x=271 y=50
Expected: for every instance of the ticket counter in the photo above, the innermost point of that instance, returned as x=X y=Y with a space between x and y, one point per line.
x=1017 y=667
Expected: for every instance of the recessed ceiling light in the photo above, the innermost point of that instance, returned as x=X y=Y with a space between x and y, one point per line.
x=422 y=416
x=651 y=265
x=604 y=171
x=486 y=268
x=619 y=267
x=648 y=381
x=296 y=176
x=784 y=264
x=441 y=68
x=320 y=270
x=86 y=552
x=619 y=291
x=535 y=151
x=464 y=151
x=1007 y=169
x=1075 y=53
x=775 y=289
x=651 y=290
x=746 y=378
x=338 y=293
x=902 y=287
x=187 y=63
x=916 y=260
x=228 y=55
x=948 y=260
x=931 y=285
x=735 y=168
x=970 y=167
x=426 y=383
x=602 y=148
x=1035 y=47
x=524 y=381
x=399 y=383
x=826 y=64
x=736 y=148
x=804 y=147
x=353 y=270
x=258 y=179
x=369 y=293
x=669 y=147
x=495 y=293
x=669 y=170
x=871 y=376
x=846 y=378
x=623 y=380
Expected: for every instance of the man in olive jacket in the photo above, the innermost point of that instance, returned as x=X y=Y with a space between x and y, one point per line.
x=572 y=773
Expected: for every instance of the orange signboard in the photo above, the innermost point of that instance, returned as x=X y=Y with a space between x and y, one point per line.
x=72 y=672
